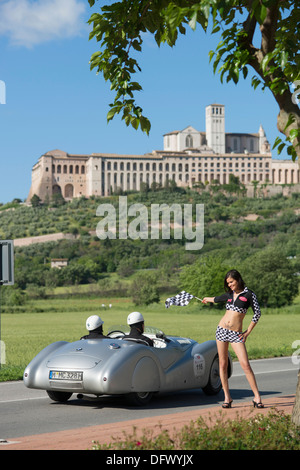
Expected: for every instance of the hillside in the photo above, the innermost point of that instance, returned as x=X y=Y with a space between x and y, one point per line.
x=235 y=228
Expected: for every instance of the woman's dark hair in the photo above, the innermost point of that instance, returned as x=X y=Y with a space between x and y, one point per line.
x=237 y=277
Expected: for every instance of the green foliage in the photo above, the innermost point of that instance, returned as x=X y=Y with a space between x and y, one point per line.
x=205 y=278
x=234 y=185
x=126 y=268
x=229 y=242
x=12 y=296
x=30 y=327
x=121 y=26
x=272 y=276
x=116 y=64
x=273 y=431
x=267 y=272
x=35 y=201
x=291 y=140
x=144 y=289
x=57 y=200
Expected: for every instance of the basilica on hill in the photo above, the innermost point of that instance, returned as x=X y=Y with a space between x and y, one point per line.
x=189 y=157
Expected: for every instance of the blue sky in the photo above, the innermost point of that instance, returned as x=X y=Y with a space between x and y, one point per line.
x=54 y=101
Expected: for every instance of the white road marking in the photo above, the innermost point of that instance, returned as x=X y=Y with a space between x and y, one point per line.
x=23 y=399
x=266 y=372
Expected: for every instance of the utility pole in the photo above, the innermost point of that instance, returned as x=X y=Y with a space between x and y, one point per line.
x=6 y=278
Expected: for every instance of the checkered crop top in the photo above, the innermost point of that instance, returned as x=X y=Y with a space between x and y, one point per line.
x=244 y=300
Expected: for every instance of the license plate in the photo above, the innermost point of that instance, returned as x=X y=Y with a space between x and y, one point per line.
x=65 y=375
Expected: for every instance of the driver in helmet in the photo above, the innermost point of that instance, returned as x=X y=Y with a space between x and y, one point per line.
x=94 y=327
x=136 y=322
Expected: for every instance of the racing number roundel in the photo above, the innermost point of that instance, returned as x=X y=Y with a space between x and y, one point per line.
x=199 y=365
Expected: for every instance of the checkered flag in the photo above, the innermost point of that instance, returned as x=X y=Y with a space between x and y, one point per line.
x=180 y=300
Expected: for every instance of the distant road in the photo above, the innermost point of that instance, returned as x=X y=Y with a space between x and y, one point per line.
x=25 y=412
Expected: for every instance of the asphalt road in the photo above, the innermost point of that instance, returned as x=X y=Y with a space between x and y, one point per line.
x=24 y=412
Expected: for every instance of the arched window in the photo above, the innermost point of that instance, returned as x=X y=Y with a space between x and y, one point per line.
x=56 y=189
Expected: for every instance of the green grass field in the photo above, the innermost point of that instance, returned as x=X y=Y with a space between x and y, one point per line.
x=46 y=321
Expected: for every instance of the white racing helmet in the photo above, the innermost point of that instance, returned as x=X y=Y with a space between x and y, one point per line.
x=134 y=317
x=93 y=322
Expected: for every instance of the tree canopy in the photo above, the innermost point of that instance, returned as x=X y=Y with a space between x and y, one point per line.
x=120 y=28
x=269 y=273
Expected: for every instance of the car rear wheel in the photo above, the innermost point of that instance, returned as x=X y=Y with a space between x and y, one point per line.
x=214 y=384
x=59 y=396
x=139 y=398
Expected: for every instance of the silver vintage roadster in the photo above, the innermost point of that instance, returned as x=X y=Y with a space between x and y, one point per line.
x=120 y=365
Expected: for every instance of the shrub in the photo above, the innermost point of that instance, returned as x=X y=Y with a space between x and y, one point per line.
x=273 y=431
x=272 y=277
x=144 y=289
x=11 y=295
x=205 y=277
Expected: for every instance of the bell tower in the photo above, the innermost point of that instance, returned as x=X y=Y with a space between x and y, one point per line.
x=215 y=127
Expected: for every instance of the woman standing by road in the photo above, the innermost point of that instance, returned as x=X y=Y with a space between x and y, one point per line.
x=238 y=299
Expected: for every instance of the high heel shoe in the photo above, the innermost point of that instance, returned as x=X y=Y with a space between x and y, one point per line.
x=257 y=404
x=227 y=404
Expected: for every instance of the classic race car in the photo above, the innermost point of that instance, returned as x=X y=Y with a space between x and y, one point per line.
x=120 y=365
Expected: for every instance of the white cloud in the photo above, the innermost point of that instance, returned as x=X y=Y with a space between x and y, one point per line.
x=31 y=22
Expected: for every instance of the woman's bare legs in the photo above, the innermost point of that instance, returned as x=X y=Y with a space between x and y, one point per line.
x=223 y=368
x=242 y=355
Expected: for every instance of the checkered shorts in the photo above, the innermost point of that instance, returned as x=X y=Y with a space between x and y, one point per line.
x=228 y=336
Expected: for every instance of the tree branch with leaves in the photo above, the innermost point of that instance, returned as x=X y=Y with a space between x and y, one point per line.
x=120 y=29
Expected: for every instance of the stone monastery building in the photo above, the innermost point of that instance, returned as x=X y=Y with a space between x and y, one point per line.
x=189 y=157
